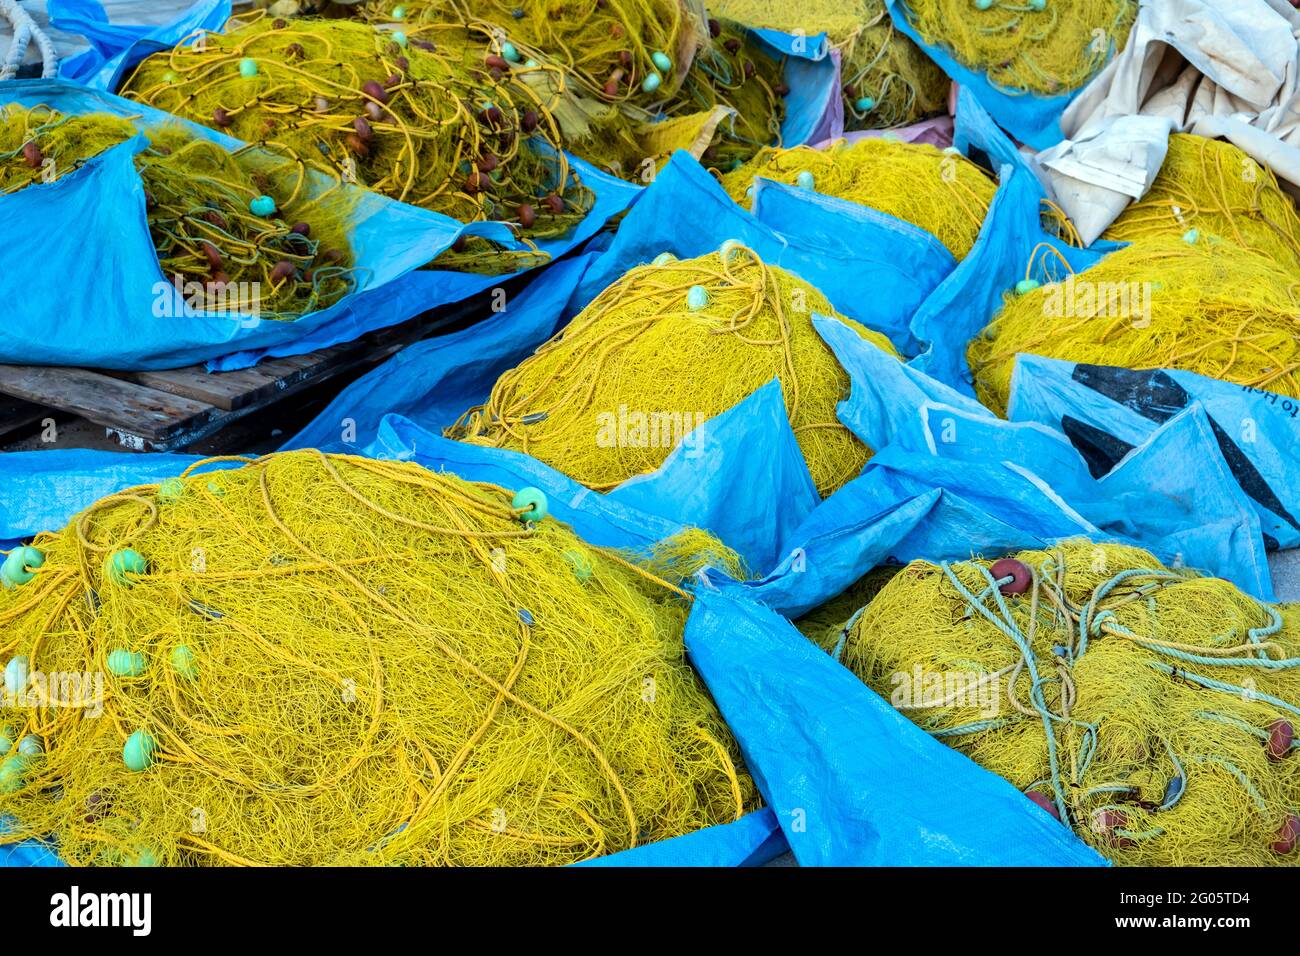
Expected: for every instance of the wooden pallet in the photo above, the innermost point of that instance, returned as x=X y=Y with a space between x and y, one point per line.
x=165 y=411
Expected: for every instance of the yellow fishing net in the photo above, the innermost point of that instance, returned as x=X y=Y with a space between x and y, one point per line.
x=424 y=119
x=620 y=101
x=1042 y=46
x=1151 y=710
x=622 y=51
x=330 y=660
x=1212 y=188
x=942 y=192
x=887 y=80
x=1207 y=306
x=659 y=352
x=824 y=623
x=235 y=231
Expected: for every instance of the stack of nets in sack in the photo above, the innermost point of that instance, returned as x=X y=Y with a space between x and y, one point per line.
x=1213 y=190
x=1204 y=306
x=941 y=191
x=626 y=89
x=1151 y=711
x=1047 y=47
x=887 y=80
x=330 y=660
x=235 y=231
x=636 y=53
x=428 y=120
x=662 y=350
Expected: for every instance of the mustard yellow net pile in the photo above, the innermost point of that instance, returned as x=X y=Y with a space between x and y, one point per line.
x=424 y=119
x=659 y=352
x=1205 y=306
x=1045 y=47
x=1150 y=710
x=1213 y=189
x=887 y=80
x=333 y=660
x=622 y=51
x=236 y=231
x=942 y=192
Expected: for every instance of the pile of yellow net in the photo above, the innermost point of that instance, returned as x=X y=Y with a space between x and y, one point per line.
x=1206 y=306
x=330 y=660
x=1041 y=46
x=1213 y=189
x=235 y=231
x=940 y=191
x=1152 y=711
x=887 y=80
x=634 y=52
x=626 y=84
x=665 y=348
x=425 y=119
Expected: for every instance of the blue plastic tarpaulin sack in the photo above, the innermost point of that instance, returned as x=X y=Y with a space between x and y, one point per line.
x=1173 y=494
x=1011 y=246
x=814 y=110
x=841 y=248
x=1106 y=412
x=92 y=223
x=435 y=381
x=116 y=47
x=1031 y=119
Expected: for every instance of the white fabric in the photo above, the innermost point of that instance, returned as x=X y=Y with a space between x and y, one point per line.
x=1218 y=68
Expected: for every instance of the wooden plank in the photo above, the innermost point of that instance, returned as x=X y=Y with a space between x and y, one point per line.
x=224 y=390
x=147 y=412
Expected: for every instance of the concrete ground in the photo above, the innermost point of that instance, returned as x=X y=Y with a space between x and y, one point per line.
x=1285 y=566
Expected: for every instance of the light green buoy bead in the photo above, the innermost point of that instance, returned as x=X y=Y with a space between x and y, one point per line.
x=510 y=53
x=124 y=562
x=124 y=663
x=531 y=64
x=138 y=751
x=728 y=249
x=247 y=67
x=697 y=297
x=17 y=564
x=579 y=564
x=651 y=83
x=143 y=856
x=31 y=746
x=865 y=103
x=663 y=259
x=805 y=180
x=399 y=13
x=399 y=38
x=1191 y=235
x=182 y=660
x=1025 y=286
x=983 y=4
x=12 y=769
x=171 y=490
x=533 y=500
x=263 y=206
x=16 y=676
x=661 y=61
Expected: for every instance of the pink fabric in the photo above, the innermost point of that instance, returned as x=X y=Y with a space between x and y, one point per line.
x=935 y=132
